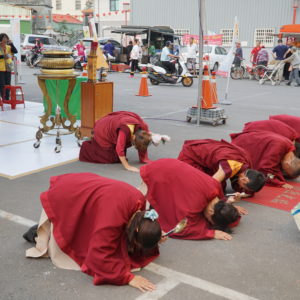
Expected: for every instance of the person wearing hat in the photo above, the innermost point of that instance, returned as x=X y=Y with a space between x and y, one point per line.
x=166 y=57
x=294 y=60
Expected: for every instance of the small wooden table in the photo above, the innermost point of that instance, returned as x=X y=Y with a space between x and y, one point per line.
x=57 y=122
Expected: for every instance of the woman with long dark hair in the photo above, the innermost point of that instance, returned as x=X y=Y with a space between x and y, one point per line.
x=99 y=226
x=177 y=191
x=7 y=49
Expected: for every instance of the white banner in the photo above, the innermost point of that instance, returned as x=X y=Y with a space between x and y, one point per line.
x=225 y=66
x=15 y=37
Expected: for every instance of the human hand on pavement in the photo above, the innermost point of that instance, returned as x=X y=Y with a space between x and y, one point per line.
x=241 y=210
x=221 y=235
x=142 y=284
x=236 y=197
x=132 y=169
x=163 y=238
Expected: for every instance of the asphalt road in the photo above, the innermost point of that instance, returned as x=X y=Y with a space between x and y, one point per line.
x=262 y=260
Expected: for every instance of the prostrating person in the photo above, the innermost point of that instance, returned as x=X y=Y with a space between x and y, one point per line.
x=274 y=126
x=290 y=120
x=99 y=226
x=177 y=191
x=113 y=135
x=222 y=161
x=271 y=154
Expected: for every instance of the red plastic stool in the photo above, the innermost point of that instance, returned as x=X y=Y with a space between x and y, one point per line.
x=13 y=95
x=1 y=103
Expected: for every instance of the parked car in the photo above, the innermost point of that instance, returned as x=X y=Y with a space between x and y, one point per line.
x=215 y=53
x=102 y=41
x=28 y=42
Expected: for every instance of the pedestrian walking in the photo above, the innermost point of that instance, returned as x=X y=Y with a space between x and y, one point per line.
x=135 y=55
x=294 y=60
x=192 y=55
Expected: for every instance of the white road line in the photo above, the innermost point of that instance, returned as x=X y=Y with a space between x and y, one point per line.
x=172 y=277
x=166 y=114
x=16 y=219
x=198 y=283
x=162 y=289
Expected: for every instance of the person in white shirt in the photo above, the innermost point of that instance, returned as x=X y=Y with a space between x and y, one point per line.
x=135 y=55
x=191 y=55
x=166 y=56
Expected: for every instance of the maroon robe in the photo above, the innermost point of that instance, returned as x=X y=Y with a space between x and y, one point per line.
x=112 y=137
x=292 y=121
x=266 y=151
x=89 y=214
x=207 y=155
x=176 y=191
x=274 y=126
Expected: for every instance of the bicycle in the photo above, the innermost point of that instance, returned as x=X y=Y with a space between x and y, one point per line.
x=237 y=72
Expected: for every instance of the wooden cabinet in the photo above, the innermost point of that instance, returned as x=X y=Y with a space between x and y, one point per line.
x=96 y=102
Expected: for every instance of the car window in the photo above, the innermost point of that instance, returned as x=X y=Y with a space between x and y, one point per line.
x=45 y=41
x=223 y=51
x=218 y=51
x=116 y=44
x=53 y=42
x=207 y=49
x=31 y=39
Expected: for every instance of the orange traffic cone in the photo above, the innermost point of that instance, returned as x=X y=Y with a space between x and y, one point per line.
x=214 y=94
x=206 y=102
x=144 y=92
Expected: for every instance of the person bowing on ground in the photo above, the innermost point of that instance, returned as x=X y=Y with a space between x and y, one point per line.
x=176 y=191
x=271 y=154
x=99 y=226
x=277 y=127
x=113 y=134
x=223 y=161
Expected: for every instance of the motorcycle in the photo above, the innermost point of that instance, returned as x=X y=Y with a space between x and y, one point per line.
x=32 y=58
x=158 y=74
x=79 y=60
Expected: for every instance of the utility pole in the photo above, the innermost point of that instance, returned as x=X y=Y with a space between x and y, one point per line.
x=99 y=32
x=201 y=22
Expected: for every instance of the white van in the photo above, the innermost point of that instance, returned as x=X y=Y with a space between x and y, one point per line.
x=28 y=42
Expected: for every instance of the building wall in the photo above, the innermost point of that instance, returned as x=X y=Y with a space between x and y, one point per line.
x=179 y=14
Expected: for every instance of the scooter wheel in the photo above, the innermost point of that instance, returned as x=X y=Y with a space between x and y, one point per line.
x=57 y=149
x=37 y=144
x=187 y=81
x=154 y=82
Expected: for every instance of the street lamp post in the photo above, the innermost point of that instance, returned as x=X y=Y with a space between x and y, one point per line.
x=126 y=7
x=295 y=6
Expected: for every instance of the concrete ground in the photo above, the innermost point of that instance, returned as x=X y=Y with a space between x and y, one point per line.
x=262 y=260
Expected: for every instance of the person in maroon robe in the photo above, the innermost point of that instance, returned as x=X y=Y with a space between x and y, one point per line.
x=222 y=161
x=176 y=191
x=274 y=126
x=270 y=153
x=293 y=122
x=113 y=134
x=102 y=225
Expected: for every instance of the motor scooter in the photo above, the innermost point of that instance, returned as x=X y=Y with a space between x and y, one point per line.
x=157 y=74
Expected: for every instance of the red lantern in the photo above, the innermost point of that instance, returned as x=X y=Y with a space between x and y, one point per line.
x=97 y=15
x=12 y=16
x=27 y=16
x=103 y=15
x=20 y=17
x=116 y=12
x=33 y=17
x=47 y=17
x=40 y=17
x=109 y=13
x=123 y=11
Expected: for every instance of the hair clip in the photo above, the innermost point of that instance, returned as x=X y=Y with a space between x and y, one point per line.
x=151 y=214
